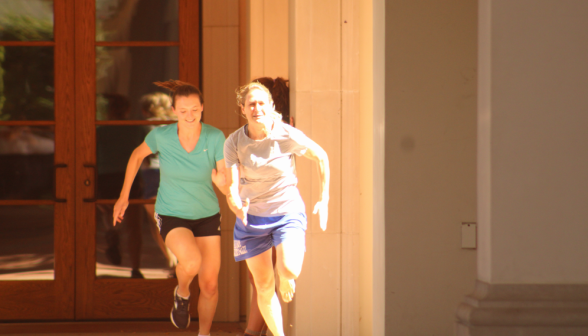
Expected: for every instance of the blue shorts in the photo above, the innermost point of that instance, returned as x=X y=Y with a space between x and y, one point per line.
x=261 y=233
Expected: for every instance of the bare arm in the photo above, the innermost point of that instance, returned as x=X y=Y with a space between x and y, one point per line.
x=139 y=154
x=219 y=177
x=238 y=206
x=318 y=155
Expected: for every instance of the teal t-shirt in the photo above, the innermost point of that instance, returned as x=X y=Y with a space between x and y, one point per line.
x=185 y=186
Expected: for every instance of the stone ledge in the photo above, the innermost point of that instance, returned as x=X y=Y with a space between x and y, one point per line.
x=521 y=331
x=505 y=292
x=524 y=310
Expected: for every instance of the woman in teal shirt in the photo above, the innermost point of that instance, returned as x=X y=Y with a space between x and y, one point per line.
x=186 y=209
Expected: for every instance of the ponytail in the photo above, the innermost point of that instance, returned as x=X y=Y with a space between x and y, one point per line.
x=180 y=89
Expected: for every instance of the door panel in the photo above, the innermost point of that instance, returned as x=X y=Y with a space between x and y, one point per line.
x=60 y=192
x=41 y=163
x=117 y=73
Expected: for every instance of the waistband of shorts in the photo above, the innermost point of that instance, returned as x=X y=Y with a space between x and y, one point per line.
x=260 y=220
x=187 y=219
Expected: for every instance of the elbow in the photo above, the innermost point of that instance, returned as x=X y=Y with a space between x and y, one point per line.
x=324 y=158
x=322 y=155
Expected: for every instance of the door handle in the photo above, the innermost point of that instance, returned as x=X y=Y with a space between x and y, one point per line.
x=55 y=166
x=87 y=183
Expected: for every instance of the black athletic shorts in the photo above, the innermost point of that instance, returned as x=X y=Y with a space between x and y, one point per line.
x=203 y=227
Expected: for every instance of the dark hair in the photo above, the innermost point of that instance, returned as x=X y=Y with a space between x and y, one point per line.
x=118 y=107
x=280 y=92
x=180 y=89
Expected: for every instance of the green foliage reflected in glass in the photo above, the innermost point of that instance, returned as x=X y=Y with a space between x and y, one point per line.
x=26 y=73
x=22 y=28
x=26 y=83
x=26 y=20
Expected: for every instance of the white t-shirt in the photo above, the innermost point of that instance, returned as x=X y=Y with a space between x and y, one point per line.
x=267 y=168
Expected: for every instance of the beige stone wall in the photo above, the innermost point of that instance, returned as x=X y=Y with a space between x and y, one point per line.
x=533 y=163
x=430 y=178
x=267 y=49
x=324 y=95
x=532 y=181
x=220 y=71
x=266 y=56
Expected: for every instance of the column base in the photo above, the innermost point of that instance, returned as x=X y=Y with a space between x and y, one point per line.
x=524 y=310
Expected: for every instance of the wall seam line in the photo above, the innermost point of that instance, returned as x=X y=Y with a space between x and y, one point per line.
x=341 y=250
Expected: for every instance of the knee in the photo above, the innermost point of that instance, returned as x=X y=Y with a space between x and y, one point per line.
x=209 y=288
x=250 y=276
x=289 y=272
x=265 y=293
x=190 y=267
x=265 y=286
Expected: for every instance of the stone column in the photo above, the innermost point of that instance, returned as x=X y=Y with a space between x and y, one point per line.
x=532 y=171
x=220 y=78
x=324 y=96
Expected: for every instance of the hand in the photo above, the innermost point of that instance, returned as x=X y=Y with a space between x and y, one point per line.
x=242 y=213
x=218 y=178
x=118 y=212
x=322 y=208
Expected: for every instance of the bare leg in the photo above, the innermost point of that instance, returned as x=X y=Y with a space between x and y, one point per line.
x=256 y=322
x=210 y=248
x=289 y=259
x=263 y=275
x=171 y=259
x=183 y=245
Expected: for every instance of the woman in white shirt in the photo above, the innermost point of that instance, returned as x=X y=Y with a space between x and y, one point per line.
x=263 y=194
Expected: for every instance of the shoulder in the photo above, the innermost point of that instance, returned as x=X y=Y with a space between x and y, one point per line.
x=212 y=131
x=234 y=137
x=163 y=130
x=287 y=128
x=290 y=131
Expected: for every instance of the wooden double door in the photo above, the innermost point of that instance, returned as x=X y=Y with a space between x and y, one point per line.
x=76 y=96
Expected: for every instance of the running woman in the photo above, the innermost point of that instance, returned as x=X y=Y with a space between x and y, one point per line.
x=186 y=209
x=280 y=93
x=263 y=195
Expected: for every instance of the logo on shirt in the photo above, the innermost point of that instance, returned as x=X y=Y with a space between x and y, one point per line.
x=238 y=249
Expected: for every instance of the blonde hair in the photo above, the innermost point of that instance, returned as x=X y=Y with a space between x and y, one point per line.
x=158 y=105
x=244 y=90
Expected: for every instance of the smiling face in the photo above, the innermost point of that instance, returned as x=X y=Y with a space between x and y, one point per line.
x=188 y=110
x=257 y=108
